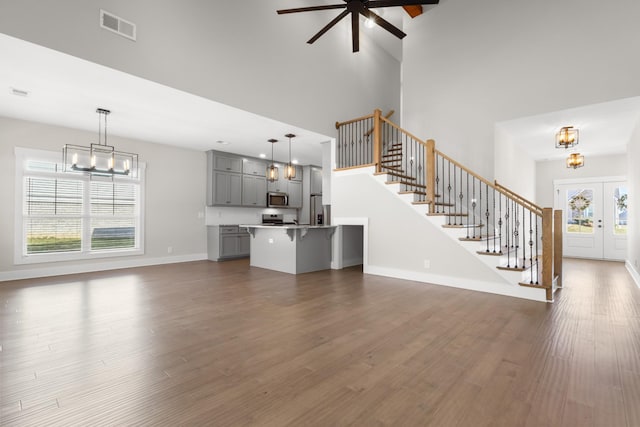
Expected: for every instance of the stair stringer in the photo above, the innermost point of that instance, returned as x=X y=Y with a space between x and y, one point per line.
x=401 y=238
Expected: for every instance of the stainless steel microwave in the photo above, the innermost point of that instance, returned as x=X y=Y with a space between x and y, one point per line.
x=277 y=200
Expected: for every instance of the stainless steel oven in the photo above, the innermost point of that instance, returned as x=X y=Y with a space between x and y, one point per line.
x=277 y=200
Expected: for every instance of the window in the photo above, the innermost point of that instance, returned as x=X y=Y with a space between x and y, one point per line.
x=66 y=216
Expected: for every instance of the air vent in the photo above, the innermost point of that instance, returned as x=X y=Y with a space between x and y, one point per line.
x=120 y=26
x=19 y=92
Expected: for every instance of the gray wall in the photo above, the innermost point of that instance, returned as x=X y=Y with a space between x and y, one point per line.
x=240 y=53
x=469 y=64
x=175 y=195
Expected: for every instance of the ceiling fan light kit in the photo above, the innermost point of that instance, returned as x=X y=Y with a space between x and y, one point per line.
x=355 y=8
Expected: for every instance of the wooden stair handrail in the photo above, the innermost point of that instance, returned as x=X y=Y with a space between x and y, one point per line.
x=338 y=124
x=517 y=196
x=370 y=131
x=519 y=200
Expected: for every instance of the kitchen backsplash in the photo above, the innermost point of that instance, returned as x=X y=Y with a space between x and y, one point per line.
x=216 y=215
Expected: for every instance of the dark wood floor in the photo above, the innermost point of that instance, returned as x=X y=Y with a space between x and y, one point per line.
x=227 y=345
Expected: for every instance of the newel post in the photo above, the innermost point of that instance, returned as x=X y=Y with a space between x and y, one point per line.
x=377 y=143
x=430 y=170
x=557 y=245
x=547 y=251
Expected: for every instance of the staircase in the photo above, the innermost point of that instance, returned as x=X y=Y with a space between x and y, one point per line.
x=518 y=240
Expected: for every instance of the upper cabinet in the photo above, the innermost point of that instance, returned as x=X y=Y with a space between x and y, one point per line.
x=234 y=180
x=254 y=167
x=227 y=163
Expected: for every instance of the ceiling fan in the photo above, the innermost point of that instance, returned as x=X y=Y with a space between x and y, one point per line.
x=357 y=8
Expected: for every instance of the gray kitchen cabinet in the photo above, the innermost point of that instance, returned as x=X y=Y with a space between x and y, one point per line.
x=316 y=180
x=227 y=189
x=298 y=173
x=254 y=191
x=294 y=188
x=227 y=163
x=227 y=242
x=254 y=167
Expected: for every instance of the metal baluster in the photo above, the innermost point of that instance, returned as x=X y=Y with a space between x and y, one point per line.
x=524 y=243
x=467 y=206
x=487 y=216
x=500 y=222
x=516 y=231
x=473 y=205
x=493 y=221
x=506 y=230
x=436 y=207
x=537 y=253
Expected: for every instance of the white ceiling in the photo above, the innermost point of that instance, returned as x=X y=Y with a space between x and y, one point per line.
x=604 y=129
x=65 y=91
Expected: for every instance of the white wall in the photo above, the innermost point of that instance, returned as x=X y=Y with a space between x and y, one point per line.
x=633 y=179
x=174 y=208
x=594 y=166
x=240 y=53
x=469 y=64
x=514 y=168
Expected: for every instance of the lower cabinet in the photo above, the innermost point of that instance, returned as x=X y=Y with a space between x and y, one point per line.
x=227 y=242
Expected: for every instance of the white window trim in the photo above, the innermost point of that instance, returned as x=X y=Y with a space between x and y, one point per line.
x=22 y=155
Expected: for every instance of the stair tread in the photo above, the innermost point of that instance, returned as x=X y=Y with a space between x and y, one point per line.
x=463 y=225
x=412 y=184
x=398 y=175
x=422 y=193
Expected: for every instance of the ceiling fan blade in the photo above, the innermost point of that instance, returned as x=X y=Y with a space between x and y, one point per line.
x=391 y=3
x=311 y=8
x=328 y=27
x=384 y=23
x=355 y=31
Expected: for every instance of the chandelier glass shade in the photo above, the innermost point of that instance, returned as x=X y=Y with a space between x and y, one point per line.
x=99 y=158
x=567 y=137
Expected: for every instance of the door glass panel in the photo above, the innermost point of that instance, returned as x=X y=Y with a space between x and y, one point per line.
x=620 y=211
x=580 y=211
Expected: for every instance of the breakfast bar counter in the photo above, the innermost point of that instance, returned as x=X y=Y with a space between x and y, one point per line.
x=290 y=249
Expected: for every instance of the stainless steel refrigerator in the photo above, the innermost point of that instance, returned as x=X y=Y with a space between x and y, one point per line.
x=316 y=214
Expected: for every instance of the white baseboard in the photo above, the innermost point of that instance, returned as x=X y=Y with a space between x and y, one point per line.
x=635 y=275
x=59 y=270
x=461 y=283
x=351 y=262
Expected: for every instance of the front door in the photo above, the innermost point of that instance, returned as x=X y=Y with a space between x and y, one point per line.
x=595 y=219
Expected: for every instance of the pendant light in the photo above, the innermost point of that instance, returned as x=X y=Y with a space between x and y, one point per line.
x=290 y=169
x=272 y=170
x=99 y=159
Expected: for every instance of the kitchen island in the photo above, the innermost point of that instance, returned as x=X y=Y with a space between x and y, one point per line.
x=290 y=249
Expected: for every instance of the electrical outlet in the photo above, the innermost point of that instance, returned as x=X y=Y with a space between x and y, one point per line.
x=427 y=263
x=200 y=215
x=169 y=249
x=271 y=240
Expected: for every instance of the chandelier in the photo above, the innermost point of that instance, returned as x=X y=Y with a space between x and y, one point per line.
x=567 y=137
x=99 y=158
x=575 y=161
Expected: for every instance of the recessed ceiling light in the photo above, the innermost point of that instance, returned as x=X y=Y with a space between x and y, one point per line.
x=222 y=142
x=294 y=161
x=263 y=156
x=19 y=92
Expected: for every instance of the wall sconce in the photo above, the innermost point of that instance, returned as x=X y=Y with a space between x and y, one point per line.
x=567 y=137
x=575 y=161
